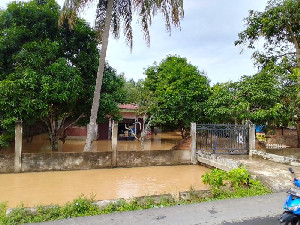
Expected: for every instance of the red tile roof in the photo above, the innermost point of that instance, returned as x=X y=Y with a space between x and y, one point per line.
x=128 y=106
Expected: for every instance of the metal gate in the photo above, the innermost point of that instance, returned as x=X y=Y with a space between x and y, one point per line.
x=223 y=139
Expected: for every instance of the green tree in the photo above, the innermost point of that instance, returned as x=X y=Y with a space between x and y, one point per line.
x=259 y=98
x=267 y=97
x=222 y=105
x=48 y=73
x=110 y=15
x=135 y=92
x=279 y=27
x=177 y=90
x=131 y=91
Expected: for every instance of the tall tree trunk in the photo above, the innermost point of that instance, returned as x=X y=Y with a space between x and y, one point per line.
x=94 y=111
x=298 y=122
x=52 y=133
x=182 y=132
x=298 y=132
x=53 y=137
x=297 y=47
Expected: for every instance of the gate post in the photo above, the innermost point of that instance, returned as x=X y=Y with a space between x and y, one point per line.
x=251 y=138
x=18 y=147
x=114 y=143
x=193 y=143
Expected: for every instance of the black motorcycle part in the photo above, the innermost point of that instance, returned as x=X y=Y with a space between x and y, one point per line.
x=291 y=170
x=287 y=217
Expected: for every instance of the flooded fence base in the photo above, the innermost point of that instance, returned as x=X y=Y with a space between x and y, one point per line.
x=60 y=161
x=7 y=163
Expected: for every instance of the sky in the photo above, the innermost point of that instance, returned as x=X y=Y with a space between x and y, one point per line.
x=206 y=39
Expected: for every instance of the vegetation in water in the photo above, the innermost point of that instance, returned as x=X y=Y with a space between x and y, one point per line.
x=236 y=183
x=233 y=184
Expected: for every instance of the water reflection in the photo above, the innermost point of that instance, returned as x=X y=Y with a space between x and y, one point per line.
x=59 y=187
x=160 y=141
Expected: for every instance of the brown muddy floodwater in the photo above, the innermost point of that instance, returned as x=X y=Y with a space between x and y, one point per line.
x=47 y=188
x=161 y=141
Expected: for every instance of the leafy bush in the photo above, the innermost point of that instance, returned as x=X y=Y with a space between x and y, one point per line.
x=239 y=176
x=5 y=139
x=215 y=178
x=80 y=206
x=233 y=184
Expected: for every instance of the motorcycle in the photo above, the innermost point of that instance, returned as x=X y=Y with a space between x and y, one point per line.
x=291 y=215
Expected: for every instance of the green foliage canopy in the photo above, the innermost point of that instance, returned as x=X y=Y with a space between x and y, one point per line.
x=177 y=90
x=267 y=97
x=48 y=73
x=278 y=26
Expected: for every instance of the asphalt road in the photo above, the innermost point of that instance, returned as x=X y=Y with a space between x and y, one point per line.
x=256 y=221
x=247 y=211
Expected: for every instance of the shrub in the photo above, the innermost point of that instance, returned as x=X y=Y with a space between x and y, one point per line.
x=233 y=184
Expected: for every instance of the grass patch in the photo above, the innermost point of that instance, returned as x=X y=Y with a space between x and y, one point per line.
x=81 y=206
x=236 y=183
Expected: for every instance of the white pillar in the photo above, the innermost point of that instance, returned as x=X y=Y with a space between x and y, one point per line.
x=193 y=143
x=114 y=143
x=136 y=119
x=109 y=128
x=251 y=138
x=18 y=147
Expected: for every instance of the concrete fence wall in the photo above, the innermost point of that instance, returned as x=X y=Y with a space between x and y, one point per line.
x=7 y=163
x=58 y=161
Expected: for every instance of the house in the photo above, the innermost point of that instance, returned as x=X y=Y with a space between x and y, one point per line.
x=131 y=125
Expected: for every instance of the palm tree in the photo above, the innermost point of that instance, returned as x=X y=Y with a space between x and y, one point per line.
x=110 y=15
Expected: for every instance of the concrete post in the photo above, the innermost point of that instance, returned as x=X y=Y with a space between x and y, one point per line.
x=109 y=128
x=96 y=133
x=18 y=147
x=251 y=138
x=193 y=143
x=114 y=143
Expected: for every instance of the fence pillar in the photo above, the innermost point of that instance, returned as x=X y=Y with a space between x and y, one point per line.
x=193 y=143
x=251 y=138
x=114 y=143
x=18 y=147
x=109 y=128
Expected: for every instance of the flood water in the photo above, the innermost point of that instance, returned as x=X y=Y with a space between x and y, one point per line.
x=60 y=187
x=161 y=141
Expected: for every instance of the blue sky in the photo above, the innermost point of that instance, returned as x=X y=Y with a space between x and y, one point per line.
x=206 y=39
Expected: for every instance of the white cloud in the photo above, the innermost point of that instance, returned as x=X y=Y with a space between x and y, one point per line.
x=206 y=39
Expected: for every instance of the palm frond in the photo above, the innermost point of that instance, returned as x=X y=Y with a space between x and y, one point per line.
x=172 y=11
x=100 y=18
x=121 y=14
x=125 y=13
x=70 y=10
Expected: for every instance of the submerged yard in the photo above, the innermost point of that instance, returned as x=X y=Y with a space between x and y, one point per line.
x=159 y=141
